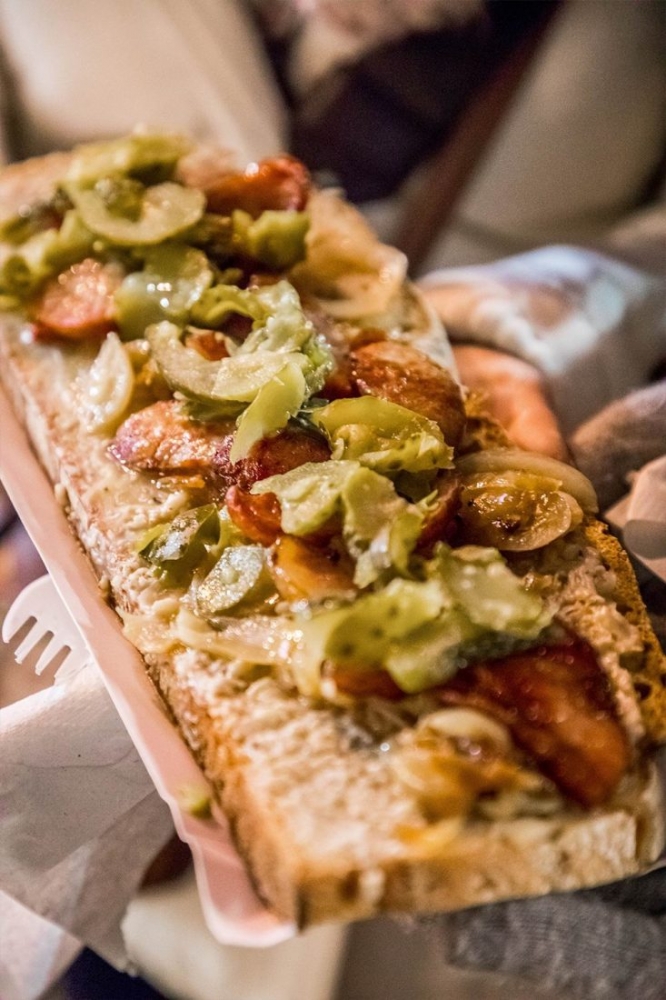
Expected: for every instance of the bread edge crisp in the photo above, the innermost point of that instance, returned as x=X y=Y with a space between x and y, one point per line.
x=649 y=678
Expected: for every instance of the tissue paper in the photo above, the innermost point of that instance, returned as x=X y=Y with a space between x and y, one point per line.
x=35 y=953
x=642 y=517
x=81 y=820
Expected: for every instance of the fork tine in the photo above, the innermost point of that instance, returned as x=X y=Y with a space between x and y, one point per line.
x=16 y=626
x=32 y=639
x=54 y=655
x=39 y=629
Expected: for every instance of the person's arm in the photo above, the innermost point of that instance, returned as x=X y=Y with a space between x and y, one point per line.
x=573 y=327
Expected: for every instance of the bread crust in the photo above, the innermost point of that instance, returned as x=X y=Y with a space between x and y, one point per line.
x=492 y=861
x=314 y=805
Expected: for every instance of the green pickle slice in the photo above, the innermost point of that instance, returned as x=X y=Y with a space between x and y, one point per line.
x=226 y=386
x=165 y=211
x=178 y=548
x=383 y=435
x=240 y=575
x=140 y=155
x=173 y=279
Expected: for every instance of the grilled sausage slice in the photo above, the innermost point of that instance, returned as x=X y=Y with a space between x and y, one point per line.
x=162 y=439
x=79 y=302
x=558 y=704
x=403 y=375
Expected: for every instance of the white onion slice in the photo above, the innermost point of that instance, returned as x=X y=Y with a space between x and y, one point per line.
x=261 y=639
x=465 y=723
x=363 y=276
x=106 y=390
x=503 y=459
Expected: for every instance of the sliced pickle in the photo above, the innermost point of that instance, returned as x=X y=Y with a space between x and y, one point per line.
x=44 y=254
x=275 y=403
x=383 y=435
x=139 y=155
x=178 y=548
x=173 y=279
x=165 y=211
x=239 y=575
x=223 y=386
x=276 y=238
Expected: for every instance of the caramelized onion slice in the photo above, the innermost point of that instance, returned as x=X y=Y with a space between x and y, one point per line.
x=515 y=511
x=502 y=459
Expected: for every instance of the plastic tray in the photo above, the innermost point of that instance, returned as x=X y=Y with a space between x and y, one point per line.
x=233 y=911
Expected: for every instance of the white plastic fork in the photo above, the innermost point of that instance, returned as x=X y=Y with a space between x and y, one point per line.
x=52 y=630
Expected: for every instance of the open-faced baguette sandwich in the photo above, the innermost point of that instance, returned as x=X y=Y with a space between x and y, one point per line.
x=414 y=666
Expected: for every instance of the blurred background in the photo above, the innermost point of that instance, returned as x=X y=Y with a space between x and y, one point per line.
x=468 y=129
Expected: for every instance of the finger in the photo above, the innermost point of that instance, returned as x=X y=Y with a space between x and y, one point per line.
x=516 y=398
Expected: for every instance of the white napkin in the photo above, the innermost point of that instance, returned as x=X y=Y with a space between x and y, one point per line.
x=69 y=855
x=642 y=517
x=35 y=953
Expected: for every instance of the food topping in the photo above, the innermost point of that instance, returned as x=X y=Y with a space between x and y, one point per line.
x=346 y=545
x=440 y=510
x=382 y=435
x=303 y=570
x=216 y=388
x=272 y=372
x=362 y=682
x=346 y=269
x=515 y=511
x=240 y=575
x=505 y=459
x=33 y=219
x=106 y=392
x=138 y=217
x=422 y=631
x=403 y=375
x=276 y=239
x=178 y=548
x=280 y=182
x=557 y=703
x=79 y=303
x=144 y=156
x=460 y=760
x=277 y=455
x=172 y=280
x=25 y=267
x=258 y=517
x=210 y=344
x=163 y=439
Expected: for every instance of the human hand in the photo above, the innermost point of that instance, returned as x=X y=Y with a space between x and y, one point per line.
x=516 y=397
x=515 y=390
x=592 y=326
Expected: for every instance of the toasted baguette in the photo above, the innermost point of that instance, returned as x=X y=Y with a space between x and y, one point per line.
x=324 y=823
